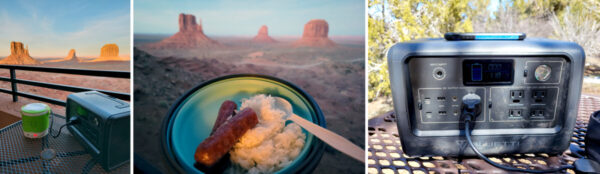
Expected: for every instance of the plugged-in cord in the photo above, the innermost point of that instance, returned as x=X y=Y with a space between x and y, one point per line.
x=72 y=120
x=468 y=117
x=59 y=130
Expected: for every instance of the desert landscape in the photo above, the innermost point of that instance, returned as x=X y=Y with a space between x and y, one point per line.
x=108 y=60
x=330 y=69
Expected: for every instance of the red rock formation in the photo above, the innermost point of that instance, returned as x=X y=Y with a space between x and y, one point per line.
x=110 y=52
x=263 y=36
x=187 y=23
x=18 y=55
x=70 y=57
x=190 y=35
x=315 y=35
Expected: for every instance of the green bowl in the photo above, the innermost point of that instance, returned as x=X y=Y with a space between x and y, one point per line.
x=191 y=118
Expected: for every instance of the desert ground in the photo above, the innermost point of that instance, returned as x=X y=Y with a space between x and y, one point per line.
x=104 y=83
x=334 y=77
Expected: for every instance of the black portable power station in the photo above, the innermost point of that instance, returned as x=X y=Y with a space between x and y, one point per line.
x=101 y=125
x=523 y=94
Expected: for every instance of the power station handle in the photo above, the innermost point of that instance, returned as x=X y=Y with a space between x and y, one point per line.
x=484 y=36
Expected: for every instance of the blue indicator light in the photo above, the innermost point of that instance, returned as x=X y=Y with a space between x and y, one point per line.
x=496 y=37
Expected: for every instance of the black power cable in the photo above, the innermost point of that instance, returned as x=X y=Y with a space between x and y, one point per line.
x=59 y=130
x=72 y=120
x=468 y=117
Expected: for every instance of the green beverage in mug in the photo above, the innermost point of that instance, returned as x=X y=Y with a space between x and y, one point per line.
x=36 y=120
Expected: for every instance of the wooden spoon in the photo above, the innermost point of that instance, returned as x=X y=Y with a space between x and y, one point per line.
x=334 y=140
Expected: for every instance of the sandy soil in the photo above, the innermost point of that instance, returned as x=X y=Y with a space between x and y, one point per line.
x=334 y=77
x=103 y=83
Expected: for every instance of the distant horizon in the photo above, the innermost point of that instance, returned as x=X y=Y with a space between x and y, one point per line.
x=215 y=35
x=52 y=57
x=227 y=18
x=33 y=53
x=145 y=38
x=52 y=28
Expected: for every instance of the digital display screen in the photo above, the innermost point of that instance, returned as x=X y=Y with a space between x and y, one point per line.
x=476 y=72
x=488 y=72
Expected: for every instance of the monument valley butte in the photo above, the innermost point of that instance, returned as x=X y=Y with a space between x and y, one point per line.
x=109 y=59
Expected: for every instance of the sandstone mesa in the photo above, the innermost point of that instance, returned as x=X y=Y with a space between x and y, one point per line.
x=315 y=35
x=190 y=35
x=110 y=52
x=18 y=55
x=263 y=36
x=71 y=57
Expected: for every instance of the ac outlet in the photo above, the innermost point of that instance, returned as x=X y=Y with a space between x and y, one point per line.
x=513 y=113
x=537 y=113
x=517 y=95
x=538 y=95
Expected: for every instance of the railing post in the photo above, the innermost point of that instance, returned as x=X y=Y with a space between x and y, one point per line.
x=13 y=83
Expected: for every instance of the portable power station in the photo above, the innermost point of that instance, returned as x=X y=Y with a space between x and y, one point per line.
x=101 y=125
x=527 y=93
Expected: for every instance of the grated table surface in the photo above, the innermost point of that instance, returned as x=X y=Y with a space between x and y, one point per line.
x=22 y=155
x=385 y=151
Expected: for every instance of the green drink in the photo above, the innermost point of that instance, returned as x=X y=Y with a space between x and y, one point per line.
x=36 y=120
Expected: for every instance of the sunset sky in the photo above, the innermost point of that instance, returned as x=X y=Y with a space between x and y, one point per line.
x=52 y=27
x=234 y=18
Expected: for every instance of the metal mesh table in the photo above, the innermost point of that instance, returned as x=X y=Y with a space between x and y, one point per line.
x=23 y=155
x=386 y=156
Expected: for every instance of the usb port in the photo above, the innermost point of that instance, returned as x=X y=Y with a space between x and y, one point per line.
x=427 y=100
x=441 y=98
x=442 y=112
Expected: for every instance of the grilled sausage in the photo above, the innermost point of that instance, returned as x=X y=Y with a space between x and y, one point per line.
x=217 y=145
x=227 y=110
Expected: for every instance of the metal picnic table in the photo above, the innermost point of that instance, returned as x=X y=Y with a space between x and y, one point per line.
x=23 y=155
x=385 y=151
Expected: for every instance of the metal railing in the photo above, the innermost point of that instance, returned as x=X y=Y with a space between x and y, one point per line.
x=100 y=73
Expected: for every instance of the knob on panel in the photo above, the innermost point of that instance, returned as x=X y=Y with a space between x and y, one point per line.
x=542 y=72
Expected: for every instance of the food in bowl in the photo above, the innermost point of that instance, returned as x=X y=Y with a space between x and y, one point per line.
x=226 y=111
x=213 y=148
x=269 y=146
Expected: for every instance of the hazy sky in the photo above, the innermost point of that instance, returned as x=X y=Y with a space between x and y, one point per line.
x=230 y=17
x=52 y=27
